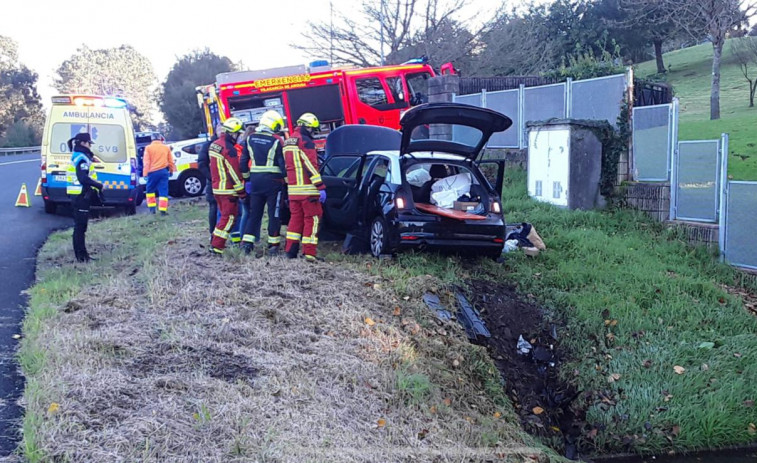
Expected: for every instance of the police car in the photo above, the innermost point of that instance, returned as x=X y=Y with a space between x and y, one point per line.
x=187 y=180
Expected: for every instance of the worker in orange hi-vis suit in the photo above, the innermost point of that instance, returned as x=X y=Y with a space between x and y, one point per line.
x=158 y=166
x=228 y=188
x=306 y=190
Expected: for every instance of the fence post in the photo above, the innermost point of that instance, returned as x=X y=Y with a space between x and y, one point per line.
x=673 y=163
x=521 y=114
x=483 y=98
x=723 y=206
x=569 y=98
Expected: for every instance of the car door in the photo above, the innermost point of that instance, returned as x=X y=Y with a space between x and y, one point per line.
x=341 y=174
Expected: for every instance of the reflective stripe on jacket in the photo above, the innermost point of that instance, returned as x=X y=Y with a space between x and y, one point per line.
x=263 y=155
x=224 y=167
x=301 y=160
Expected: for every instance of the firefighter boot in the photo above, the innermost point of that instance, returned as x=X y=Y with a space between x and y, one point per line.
x=293 y=251
x=273 y=251
x=248 y=248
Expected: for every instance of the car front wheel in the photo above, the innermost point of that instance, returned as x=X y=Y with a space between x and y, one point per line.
x=191 y=184
x=379 y=237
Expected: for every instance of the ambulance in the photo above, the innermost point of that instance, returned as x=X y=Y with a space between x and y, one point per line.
x=107 y=121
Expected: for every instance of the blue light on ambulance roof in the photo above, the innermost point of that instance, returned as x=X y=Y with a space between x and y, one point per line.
x=114 y=102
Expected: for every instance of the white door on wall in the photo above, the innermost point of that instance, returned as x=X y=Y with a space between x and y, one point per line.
x=558 y=167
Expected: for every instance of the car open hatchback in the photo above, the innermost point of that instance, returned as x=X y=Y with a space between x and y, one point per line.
x=420 y=187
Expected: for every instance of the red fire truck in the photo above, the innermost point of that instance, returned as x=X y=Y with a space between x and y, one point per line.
x=374 y=96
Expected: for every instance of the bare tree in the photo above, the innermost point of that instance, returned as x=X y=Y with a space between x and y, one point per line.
x=714 y=19
x=745 y=52
x=651 y=18
x=359 y=38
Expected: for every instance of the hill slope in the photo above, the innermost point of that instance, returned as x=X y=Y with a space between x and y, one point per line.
x=689 y=71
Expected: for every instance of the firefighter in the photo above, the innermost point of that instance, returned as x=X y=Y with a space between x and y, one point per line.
x=264 y=170
x=227 y=180
x=306 y=190
x=84 y=190
x=203 y=164
x=158 y=166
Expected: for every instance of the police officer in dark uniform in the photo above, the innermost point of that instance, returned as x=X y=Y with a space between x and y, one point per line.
x=262 y=166
x=84 y=190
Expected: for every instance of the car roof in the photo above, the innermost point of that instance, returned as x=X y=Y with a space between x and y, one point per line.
x=190 y=141
x=419 y=155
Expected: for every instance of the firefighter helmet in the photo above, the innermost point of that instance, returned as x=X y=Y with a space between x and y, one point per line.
x=272 y=121
x=309 y=120
x=232 y=125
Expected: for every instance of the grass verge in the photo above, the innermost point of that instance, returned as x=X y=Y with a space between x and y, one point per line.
x=660 y=348
x=160 y=352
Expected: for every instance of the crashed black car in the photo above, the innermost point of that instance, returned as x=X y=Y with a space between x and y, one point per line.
x=420 y=187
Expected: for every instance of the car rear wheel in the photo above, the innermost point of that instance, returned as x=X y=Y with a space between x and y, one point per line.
x=379 y=237
x=191 y=183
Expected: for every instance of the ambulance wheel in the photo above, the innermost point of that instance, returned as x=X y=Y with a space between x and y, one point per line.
x=131 y=209
x=50 y=207
x=191 y=183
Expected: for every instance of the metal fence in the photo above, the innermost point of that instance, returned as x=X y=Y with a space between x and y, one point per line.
x=739 y=222
x=21 y=150
x=599 y=99
x=653 y=141
x=695 y=181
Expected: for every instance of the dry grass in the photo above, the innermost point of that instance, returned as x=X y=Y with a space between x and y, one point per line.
x=186 y=357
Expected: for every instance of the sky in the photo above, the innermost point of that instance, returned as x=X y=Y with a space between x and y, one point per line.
x=254 y=32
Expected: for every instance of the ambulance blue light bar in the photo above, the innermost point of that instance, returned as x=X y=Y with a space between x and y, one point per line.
x=87 y=100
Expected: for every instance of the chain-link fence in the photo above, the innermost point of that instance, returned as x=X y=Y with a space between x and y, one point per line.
x=652 y=142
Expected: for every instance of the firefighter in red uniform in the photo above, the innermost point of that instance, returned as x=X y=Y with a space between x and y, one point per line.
x=306 y=190
x=263 y=167
x=227 y=180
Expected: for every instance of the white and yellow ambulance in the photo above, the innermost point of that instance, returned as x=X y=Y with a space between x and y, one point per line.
x=107 y=121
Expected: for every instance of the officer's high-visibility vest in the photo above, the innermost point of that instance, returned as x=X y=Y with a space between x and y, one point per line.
x=73 y=187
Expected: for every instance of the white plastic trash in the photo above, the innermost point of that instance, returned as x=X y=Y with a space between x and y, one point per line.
x=524 y=347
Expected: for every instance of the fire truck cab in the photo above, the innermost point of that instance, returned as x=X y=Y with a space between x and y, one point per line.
x=373 y=96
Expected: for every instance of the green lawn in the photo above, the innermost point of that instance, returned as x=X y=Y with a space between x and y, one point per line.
x=637 y=301
x=690 y=74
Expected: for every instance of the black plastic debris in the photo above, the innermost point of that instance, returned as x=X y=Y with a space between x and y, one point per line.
x=355 y=244
x=471 y=321
x=433 y=303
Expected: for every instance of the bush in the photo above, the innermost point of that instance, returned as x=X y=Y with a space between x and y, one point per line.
x=22 y=133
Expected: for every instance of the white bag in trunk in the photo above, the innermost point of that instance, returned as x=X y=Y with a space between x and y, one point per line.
x=445 y=192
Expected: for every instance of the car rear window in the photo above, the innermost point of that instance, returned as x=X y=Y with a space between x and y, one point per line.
x=109 y=141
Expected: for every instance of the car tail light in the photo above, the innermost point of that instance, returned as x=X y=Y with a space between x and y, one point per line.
x=496 y=208
x=409 y=237
x=400 y=202
x=44 y=170
x=133 y=172
x=498 y=240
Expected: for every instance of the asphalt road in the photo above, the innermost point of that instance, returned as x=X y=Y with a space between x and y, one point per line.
x=24 y=231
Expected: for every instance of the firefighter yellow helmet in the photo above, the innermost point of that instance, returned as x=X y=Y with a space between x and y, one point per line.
x=272 y=121
x=309 y=120
x=232 y=125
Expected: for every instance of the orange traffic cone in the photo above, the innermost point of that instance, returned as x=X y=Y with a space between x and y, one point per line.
x=38 y=191
x=23 y=197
